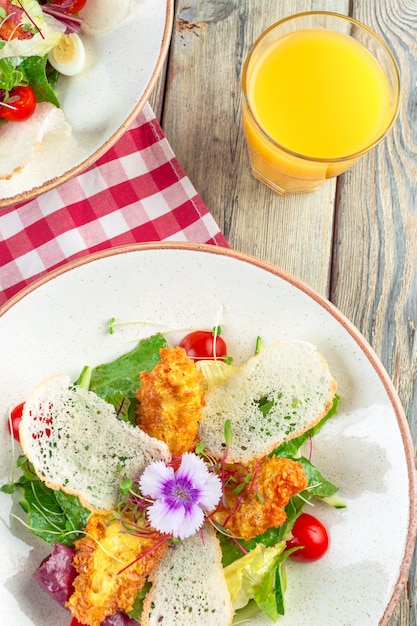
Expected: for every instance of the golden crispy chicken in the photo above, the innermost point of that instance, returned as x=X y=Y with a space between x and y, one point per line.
x=271 y=482
x=101 y=587
x=170 y=401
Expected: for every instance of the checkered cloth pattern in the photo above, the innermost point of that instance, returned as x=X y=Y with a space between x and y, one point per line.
x=136 y=192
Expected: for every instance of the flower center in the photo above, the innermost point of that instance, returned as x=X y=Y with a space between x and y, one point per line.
x=182 y=494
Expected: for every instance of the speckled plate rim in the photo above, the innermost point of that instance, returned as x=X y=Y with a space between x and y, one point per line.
x=331 y=310
x=29 y=194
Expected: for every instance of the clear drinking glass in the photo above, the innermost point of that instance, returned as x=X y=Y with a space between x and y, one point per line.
x=320 y=90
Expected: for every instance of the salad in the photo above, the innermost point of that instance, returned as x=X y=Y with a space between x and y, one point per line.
x=38 y=42
x=141 y=388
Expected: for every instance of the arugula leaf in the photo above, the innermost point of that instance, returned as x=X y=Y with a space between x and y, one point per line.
x=53 y=515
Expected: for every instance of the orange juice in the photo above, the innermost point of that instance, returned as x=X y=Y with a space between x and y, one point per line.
x=319 y=93
x=315 y=99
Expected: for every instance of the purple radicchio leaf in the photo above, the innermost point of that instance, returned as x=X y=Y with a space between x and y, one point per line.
x=56 y=575
x=71 y=22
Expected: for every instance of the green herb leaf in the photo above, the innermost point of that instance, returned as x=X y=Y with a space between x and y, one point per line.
x=137 y=609
x=265 y=405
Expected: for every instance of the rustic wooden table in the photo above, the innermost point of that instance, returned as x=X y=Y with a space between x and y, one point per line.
x=355 y=239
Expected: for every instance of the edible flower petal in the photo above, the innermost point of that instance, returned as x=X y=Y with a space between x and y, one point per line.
x=180 y=498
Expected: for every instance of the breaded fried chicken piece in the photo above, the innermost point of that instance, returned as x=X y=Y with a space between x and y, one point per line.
x=100 y=588
x=170 y=401
x=260 y=504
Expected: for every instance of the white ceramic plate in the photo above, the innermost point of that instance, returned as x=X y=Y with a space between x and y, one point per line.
x=122 y=66
x=61 y=324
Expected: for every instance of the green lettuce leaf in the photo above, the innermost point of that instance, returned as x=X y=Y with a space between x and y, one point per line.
x=11 y=75
x=257 y=582
x=253 y=577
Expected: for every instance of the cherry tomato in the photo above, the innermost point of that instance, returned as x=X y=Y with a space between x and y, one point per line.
x=204 y=344
x=75 y=622
x=309 y=532
x=21 y=104
x=14 y=421
x=76 y=5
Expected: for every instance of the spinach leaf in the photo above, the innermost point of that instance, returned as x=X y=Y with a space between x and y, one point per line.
x=122 y=374
x=53 y=515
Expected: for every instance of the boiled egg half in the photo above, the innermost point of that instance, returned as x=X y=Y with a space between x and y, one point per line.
x=68 y=57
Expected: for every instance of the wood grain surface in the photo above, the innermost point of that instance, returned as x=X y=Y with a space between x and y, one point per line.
x=355 y=239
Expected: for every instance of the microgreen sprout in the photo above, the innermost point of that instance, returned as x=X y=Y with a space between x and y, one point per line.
x=167 y=329
x=199 y=449
x=242 y=485
x=126 y=486
x=228 y=434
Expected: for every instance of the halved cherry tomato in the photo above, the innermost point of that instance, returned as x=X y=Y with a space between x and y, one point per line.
x=204 y=344
x=14 y=420
x=20 y=104
x=310 y=533
x=76 y=5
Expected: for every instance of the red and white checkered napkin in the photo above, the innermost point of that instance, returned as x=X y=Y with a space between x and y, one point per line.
x=136 y=192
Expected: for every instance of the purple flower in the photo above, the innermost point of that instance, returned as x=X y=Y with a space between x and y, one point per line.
x=180 y=497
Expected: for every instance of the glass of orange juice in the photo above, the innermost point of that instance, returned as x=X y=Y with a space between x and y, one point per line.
x=319 y=91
